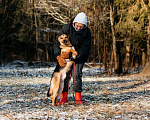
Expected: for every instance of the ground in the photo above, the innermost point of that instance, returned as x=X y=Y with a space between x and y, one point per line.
x=23 y=96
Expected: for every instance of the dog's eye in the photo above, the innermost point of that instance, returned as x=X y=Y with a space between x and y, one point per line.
x=61 y=37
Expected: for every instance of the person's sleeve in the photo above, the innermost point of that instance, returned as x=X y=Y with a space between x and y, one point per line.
x=85 y=47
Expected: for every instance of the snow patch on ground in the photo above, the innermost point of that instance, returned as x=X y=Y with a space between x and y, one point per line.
x=23 y=96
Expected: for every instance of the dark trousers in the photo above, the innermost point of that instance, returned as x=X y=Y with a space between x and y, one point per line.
x=78 y=78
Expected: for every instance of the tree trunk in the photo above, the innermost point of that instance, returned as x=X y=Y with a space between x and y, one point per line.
x=111 y=62
x=127 y=58
x=143 y=58
x=46 y=47
x=146 y=70
x=36 y=32
x=148 y=40
x=114 y=39
x=94 y=33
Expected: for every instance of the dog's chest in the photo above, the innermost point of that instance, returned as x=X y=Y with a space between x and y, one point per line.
x=66 y=49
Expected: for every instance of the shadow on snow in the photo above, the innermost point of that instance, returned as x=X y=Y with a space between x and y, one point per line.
x=27 y=97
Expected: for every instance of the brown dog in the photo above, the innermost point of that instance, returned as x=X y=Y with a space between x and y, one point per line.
x=57 y=81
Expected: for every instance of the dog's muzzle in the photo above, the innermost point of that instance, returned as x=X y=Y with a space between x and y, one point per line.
x=64 y=42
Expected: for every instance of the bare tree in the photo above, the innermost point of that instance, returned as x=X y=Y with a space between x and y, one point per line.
x=114 y=38
x=56 y=9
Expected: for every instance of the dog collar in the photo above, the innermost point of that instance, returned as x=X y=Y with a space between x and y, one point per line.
x=67 y=60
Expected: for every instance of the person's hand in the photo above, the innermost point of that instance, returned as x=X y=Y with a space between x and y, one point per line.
x=65 y=55
x=71 y=57
x=61 y=61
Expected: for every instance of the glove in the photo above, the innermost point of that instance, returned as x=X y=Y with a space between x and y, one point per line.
x=61 y=61
x=65 y=55
x=71 y=57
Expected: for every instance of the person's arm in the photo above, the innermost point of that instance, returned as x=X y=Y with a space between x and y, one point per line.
x=85 y=47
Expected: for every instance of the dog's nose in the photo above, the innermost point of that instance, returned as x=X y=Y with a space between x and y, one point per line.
x=65 y=42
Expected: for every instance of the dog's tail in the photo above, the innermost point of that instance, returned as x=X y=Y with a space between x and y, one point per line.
x=48 y=93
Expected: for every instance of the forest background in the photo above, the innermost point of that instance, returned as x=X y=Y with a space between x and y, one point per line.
x=120 y=31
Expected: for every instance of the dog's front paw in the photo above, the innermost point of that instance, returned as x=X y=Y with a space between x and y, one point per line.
x=74 y=53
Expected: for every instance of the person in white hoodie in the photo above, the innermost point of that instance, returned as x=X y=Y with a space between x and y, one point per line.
x=80 y=38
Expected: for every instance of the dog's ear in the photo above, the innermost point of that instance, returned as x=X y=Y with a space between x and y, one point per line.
x=60 y=37
x=67 y=37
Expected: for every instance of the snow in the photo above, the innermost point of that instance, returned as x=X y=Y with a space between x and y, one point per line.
x=23 y=91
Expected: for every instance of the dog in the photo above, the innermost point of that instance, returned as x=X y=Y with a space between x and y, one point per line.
x=59 y=74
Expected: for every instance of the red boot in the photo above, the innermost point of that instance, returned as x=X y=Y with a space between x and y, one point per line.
x=63 y=98
x=78 y=99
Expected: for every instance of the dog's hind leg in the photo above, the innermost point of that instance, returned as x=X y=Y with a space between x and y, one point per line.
x=55 y=87
x=48 y=93
x=61 y=85
x=55 y=97
x=54 y=80
x=50 y=90
x=54 y=101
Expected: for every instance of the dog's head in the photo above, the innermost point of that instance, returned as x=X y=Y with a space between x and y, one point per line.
x=64 y=40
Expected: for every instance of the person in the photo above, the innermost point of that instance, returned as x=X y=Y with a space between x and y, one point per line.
x=80 y=37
